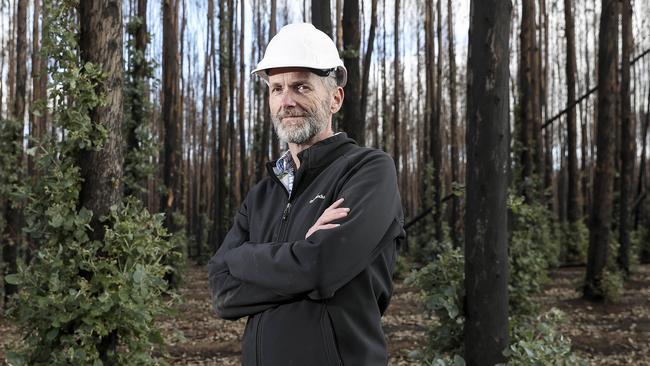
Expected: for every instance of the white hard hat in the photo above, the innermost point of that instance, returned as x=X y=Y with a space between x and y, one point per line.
x=302 y=45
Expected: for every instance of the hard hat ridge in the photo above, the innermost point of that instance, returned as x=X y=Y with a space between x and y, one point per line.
x=302 y=45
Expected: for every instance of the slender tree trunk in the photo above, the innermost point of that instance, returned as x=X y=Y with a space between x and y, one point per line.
x=455 y=203
x=384 y=90
x=584 y=129
x=202 y=192
x=232 y=161
x=436 y=135
x=101 y=43
x=215 y=144
x=11 y=72
x=170 y=113
x=35 y=131
x=486 y=225
x=138 y=102
x=221 y=129
x=628 y=141
x=339 y=24
x=573 y=210
x=321 y=16
x=243 y=183
x=526 y=119
x=367 y=59
x=642 y=165
x=11 y=238
x=396 y=96
x=182 y=127
x=260 y=144
x=603 y=181
x=543 y=63
x=275 y=142
x=430 y=97
x=353 y=122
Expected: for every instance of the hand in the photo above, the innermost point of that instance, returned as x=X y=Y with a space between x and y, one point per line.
x=334 y=212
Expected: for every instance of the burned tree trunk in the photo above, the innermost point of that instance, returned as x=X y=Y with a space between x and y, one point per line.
x=321 y=16
x=353 y=122
x=573 y=209
x=486 y=225
x=628 y=145
x=171 y=113
x=101 y=43
x=604 y=178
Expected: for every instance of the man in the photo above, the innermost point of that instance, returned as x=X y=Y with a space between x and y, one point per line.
x=312 y=249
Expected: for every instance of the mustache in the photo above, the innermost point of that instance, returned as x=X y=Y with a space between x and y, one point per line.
x=291 y=113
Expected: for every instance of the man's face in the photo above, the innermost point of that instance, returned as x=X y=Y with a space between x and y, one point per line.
x=301 y=104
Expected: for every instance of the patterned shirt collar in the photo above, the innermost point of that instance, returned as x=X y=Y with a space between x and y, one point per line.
x=285 y=169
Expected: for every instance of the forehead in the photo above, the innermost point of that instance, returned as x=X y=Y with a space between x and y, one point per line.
x=279 y=75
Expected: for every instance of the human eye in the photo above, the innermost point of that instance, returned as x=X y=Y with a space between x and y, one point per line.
x=302 y=88
x=276 y=90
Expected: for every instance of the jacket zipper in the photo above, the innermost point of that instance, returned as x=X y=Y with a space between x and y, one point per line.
x=258 y=346
x=283 y=222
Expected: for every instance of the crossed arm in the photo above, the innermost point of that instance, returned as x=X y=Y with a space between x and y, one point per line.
x=233 y=298
x=315 y=267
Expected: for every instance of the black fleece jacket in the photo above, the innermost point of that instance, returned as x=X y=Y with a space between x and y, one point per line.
x=315 y=301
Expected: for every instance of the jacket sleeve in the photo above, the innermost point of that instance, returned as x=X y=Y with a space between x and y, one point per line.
x=328 y=259
x=233 y=298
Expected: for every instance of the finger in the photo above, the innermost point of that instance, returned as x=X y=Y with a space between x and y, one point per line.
x=315 y=228
x=331 y=216
x=328 y=226
x=336 y=203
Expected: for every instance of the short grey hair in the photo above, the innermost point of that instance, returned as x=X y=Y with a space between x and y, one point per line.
x=330 y=81
x=334 y=78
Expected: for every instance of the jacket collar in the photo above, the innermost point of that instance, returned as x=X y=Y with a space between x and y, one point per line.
x=317 y=157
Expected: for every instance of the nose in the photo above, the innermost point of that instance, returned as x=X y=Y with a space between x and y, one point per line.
x=287 y=99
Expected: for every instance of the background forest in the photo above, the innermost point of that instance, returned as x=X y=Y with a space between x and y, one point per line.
x=130 y=132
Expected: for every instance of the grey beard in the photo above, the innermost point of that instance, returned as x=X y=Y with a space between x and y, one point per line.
x=312 y=126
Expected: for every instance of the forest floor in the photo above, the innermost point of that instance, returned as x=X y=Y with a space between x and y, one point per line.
x=605 y=334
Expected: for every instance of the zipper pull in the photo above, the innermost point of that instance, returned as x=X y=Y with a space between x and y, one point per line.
x=286 y=211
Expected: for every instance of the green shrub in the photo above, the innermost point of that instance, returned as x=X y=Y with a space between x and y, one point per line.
x=77 y=293
x=138 y=166
x=536 y=342
x=533 y=249
x=443 y=293
x=575 y=242
x=611 y=285
x=422 y=244
x=87 y=297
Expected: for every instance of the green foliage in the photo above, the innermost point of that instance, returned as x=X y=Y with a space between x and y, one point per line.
x=439 y=360
x=84 y=290
x=538 y=343
x=176 y=258
x=611 y=285
x=10 y=167
x=575 y=242
x=403 y=268
x=79 y=291
x=637 y=243
x=533 y=249
x=443 y=293
x=137 y=112
x=423 y=247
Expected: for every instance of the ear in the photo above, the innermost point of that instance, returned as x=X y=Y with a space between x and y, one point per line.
x=337 y=99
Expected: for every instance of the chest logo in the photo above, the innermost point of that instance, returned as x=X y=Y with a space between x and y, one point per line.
x=319 y=196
